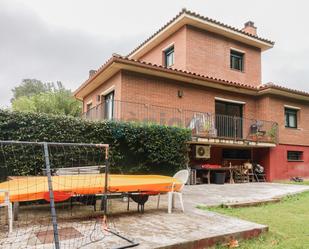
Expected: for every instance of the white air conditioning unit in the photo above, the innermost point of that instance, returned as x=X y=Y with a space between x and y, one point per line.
x=202 y=151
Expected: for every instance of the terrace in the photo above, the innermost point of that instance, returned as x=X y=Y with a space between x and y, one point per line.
x=194 y=227
x=209 y=128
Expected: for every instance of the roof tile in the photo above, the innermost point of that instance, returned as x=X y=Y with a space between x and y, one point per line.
x=279 y=87
x=119 y=58
x=194 y=14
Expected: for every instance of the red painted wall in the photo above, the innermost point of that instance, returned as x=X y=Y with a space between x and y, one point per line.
x=274 y=161
x=261 y=156
x=280 y=168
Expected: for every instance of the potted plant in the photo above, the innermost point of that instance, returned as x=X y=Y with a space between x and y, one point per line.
x=255 y=136
x=206 y=128
x=271 y=134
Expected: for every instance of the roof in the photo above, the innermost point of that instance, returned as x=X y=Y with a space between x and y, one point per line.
x=117 y=63
x=271 y=85
x=117 y=59
x=187 y=17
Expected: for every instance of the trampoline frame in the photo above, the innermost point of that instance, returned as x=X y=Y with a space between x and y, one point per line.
x=105 y=194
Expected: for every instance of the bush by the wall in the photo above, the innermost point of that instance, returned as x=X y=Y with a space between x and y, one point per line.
x=135 y=148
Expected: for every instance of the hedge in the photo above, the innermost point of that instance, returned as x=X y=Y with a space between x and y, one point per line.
x=134 y=148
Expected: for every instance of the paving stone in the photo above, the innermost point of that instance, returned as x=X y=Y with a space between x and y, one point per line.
x=194 y=229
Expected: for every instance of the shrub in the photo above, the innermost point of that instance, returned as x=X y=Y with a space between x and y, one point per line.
x=135 y=148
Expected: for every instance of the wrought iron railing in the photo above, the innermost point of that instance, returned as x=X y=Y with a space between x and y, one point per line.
x=236 y=128
x=202 y=124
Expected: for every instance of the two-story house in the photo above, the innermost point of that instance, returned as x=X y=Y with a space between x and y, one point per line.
x=198 y=73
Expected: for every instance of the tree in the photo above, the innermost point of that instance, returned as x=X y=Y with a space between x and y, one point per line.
x=46 y=98
x=30 y=87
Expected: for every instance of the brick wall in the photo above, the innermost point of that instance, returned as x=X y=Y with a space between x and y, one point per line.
x=160 y=92
x=178 y=40
x=262 y=108
x=275 y=111
x=272 y=108
x=164 y=92
x=114 y=82
x=209 y=54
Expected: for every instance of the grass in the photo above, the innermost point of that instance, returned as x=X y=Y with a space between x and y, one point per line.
x=288 y=223
x=306 y=182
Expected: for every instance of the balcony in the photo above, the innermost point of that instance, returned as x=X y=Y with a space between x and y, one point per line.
x=204 y=125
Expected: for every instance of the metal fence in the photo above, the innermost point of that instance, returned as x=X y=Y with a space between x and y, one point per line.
x=235 y=128
x=202 y=124
x=140 y=112
x=42 y=203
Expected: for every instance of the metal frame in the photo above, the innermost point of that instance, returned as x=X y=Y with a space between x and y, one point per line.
x=234 y=54
x=167 y=52
x=290 y=112
x=45 y=146
x=51 y=197
x=7 y=203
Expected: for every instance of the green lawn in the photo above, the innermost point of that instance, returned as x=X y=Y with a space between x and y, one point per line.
x=288 y=223
x=306 y=182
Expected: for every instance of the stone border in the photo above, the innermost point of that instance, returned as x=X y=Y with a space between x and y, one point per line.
x=219 y=239
x=250 y=203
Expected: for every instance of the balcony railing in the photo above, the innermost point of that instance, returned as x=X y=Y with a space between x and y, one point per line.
x=202 y=124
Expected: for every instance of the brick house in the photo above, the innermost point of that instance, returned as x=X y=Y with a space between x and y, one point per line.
x=199 y=73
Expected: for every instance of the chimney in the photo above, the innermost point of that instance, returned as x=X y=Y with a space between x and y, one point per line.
x=92 y=72
x=250 y=28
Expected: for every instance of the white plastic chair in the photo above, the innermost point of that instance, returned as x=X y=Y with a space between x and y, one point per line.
x=182 y=176
x=8 y=204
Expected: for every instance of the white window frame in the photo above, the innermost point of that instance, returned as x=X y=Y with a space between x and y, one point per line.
x=110 y=114
x=230 y=101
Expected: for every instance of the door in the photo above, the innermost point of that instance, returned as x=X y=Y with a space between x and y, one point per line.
x=109 y=106
x=229 y=119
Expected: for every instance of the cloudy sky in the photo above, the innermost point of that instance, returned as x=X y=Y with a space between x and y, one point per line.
x=60 y=40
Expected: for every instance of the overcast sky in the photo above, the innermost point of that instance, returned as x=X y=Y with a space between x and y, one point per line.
x=62 y=40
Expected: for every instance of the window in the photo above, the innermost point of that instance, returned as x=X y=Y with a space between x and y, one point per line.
x=236 y=154
x=169 y=57
x=237 y=60
x=290 y=118
x=88 y=106
x=295 y=155
x=228 y=108
x=109 y=106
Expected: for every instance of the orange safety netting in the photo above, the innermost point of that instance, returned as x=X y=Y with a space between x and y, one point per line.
x=36 y=187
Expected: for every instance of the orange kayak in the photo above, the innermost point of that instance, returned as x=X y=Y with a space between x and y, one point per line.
x=36 y=187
